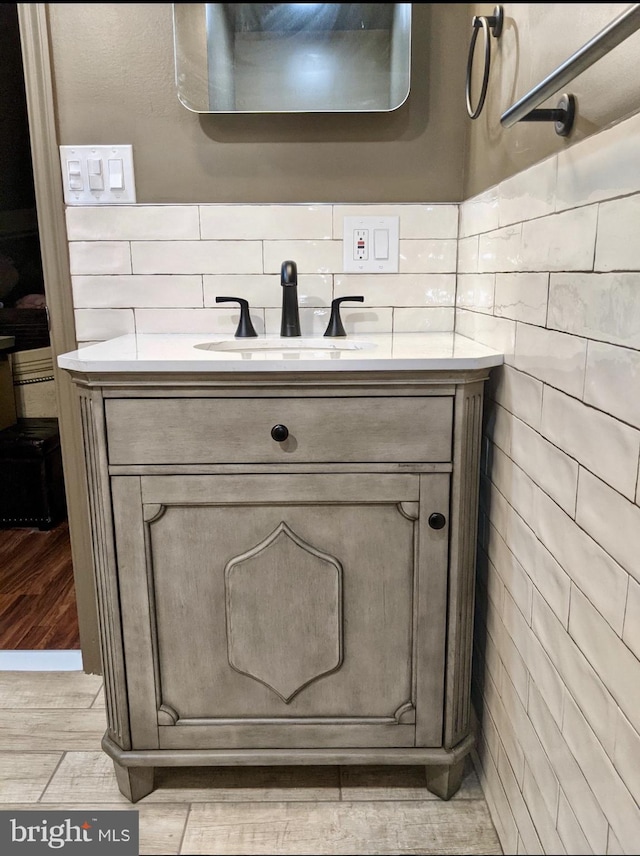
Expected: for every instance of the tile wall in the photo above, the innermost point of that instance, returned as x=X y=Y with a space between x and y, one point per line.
x=549 y=271
x=153 y=269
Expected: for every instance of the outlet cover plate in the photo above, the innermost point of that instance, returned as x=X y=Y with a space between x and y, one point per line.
x=358 y=260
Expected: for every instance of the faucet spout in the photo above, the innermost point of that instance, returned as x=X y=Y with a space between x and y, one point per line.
x=290 y=320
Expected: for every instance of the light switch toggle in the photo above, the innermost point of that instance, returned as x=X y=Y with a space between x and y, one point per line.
x=116 y=174
x=381 y=244
x=94 y=169
x=74 y=174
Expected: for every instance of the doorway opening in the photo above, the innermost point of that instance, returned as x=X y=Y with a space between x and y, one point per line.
x=38 y=608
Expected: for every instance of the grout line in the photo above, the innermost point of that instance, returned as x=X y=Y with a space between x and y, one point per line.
x=57 y=767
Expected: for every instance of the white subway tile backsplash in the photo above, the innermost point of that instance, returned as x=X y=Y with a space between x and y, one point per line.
x=515 y=580
x=418 y=289
x=209 y=322
x=555 y=358
x=631 y=629
x=476 y=291
x=544 y=673
x=196 y=257
x=415 y=221
x=313 y=321
x=133 y=223
x=479 y=214
x=599 y=442
x=560 y=242
x=513 y=483
x=501 y=250
x=266 y=222
x=545 y=572
x=581 y=680
x=522 y=297
x=614 y=848
x=571 y=834
x=427 y=256
x=527 y=837
x=536 y=759
x=617 y=247
x=615 y=800
x=310 y=256
x=498 y=333
x=518 y=392
x=543 y=817
x=133 y=291
x=597 y=306
x=468 y=258
x=528 y=194
x=626 y=756
x=590 y=567
x=500 y=807
x=555 y=472
x=609 y=657
x=574 y=786
x=419 y=319
x=612 y=521
x=506 y=729
x=97 y=325
x=262 y=290
x=99 y=257
x=603 y=166
x=612 y=376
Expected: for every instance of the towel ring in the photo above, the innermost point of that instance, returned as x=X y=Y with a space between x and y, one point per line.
x=483 y=22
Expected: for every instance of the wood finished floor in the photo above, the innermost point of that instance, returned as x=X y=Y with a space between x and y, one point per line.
x=51 y=724
x=37 y=594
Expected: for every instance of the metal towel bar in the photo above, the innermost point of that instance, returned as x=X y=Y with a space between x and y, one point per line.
x=612 y=35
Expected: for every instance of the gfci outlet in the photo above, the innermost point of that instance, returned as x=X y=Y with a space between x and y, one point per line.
x=371 y=244
x=97 y=175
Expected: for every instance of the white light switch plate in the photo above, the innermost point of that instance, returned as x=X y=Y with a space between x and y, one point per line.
x=98 y=175
x=370 y=244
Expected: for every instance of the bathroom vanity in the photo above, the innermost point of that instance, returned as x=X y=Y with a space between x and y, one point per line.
x=284 y=548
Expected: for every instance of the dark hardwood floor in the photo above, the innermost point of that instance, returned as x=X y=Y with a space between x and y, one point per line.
x=37 y=595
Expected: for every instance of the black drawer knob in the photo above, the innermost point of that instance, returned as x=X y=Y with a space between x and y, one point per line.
x=280 y=433
x=437 y=520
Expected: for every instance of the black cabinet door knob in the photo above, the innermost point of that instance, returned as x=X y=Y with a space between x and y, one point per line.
x=437 y=520
x=280 y=433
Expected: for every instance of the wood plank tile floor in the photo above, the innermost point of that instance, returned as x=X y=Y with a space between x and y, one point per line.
x=51 y=724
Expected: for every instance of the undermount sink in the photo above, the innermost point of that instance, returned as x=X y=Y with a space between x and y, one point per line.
x=293 y=344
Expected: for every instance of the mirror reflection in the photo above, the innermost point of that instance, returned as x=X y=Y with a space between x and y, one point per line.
x=292 y=57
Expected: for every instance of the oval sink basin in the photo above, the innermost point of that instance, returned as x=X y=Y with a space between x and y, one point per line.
x=293 y=344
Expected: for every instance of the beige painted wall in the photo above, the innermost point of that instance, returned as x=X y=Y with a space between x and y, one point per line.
x=537 y=38
x=114 y=83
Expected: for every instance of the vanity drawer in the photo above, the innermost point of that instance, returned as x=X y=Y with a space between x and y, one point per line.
x=238 y=430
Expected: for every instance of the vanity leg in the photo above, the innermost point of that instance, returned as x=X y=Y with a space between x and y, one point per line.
x=444 y=780
x=134 y=782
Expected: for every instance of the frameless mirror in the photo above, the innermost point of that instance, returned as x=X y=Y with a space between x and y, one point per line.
x=292 y=57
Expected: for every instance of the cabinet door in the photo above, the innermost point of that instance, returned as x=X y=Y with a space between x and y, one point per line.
x=282 y=611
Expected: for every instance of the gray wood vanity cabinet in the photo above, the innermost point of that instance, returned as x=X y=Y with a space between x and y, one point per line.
x=285 y=601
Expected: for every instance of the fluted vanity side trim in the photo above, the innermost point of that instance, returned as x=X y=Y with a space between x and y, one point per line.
x=464 y=517
x=103 y=551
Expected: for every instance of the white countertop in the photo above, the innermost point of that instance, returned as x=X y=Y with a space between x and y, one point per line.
x=178 y=352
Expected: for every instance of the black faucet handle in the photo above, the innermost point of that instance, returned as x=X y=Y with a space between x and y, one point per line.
x=245 y=328
x=335 y=327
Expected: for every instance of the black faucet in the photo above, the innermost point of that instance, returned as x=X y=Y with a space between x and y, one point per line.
x=290 y=323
